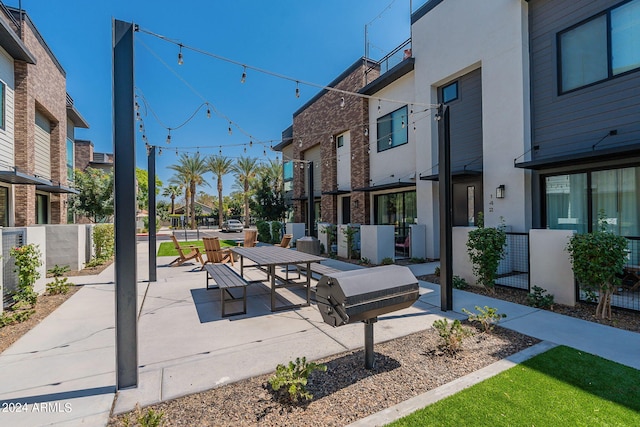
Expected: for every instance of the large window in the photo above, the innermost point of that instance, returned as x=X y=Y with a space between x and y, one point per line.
x=601 y=48
x=70 y=176
x=397 y=209
x=576 y=201
x=392 y=129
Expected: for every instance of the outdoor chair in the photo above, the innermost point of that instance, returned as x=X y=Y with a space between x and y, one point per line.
x=250 y=239
x=286 y=239
x=194 y=253
x=215 y=254
x=404 y=247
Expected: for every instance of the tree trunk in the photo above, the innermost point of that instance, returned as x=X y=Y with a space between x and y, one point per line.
x=173 y=204
x=246 y=204
x=187 y=197
x=193 y=205
x=603 y=310
x=220 y=216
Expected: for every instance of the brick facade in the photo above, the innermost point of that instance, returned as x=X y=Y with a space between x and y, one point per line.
x=83 y=154
x=40 y=87
x=315 y=125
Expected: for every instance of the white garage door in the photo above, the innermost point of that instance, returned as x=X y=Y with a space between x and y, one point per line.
x=43 y=146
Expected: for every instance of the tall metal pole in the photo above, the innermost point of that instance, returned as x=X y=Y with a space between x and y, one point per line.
x=311 y=214
x=152 y=213
x=446 y=209
x=125 y=206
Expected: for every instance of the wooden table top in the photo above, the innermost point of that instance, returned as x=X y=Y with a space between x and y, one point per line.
x=275 y=255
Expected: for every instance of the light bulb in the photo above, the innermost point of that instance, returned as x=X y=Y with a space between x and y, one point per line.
x=265 y=152
x=390 y=141
x=208 y=113
x=297 y=90
x=169 y=138
x=379 y=106
x=180 y=59
x=300 y=143
x=244 y=75
x=141 y=127
x=402 y=123
x=245 y=149
x=301 y=165
x=250 y=143
x=230 y=130
x=159 y=151
x=366 y=131
x=176 y=152
x=342 y=102
x=331 y=138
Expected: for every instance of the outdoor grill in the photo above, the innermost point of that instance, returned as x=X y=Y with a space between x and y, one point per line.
x=363 y=295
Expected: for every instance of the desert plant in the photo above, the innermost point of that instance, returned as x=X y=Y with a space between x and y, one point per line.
x=488 y=317
x=437 y=271
x=331 y=231
x=60 y=285
x=486 y=247
x=387 y=261
x=416 y=260
x=451 y=335
x=350 y=239
x=293 y=378
x=27 y=260
x=143 y=418
x=103 y=241
x=58 y=270
x=10 y=317
x=459 y=283
x=598 y=258
x=539 y=298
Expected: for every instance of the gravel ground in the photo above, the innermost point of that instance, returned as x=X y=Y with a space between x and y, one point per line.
x=623 y=319
x=346 y=392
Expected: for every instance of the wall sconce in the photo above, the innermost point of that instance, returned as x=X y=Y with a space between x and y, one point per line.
x=500 y=192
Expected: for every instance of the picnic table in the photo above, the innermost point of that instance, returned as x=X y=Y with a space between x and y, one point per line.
x=271 y=256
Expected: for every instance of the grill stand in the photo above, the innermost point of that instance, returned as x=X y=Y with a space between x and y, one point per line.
x=369 y=355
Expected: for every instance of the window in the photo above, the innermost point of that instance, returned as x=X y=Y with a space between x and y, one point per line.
x=450 y=92
x=288 y=170
x=340 y=141
x=42 y=209
x=601 y=48
x=399 y=209
x=70 y=160
x=392 y=129
x=4 y=206
x=3 y=90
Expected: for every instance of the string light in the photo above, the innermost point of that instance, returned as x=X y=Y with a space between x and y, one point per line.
x=208 y=113
x=342 y=102
x=220 y=152
x=402 y=123
x=265 y=152
x=169 y=137
x=176 y=152
x=390 y=141
x=297 y=89
x=230 y=130
x=245 y=149
x=331 y=139
x=141 y=127
x=379 y=106
x=180 y=59
x=244 y=74
x=366 y=131
x=300 y=143
x=160 y=151
x=250 y=143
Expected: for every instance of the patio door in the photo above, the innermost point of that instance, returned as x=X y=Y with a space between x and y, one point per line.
x=346 y=210
x=467 y=202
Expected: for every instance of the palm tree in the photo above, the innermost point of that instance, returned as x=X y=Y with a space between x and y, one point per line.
x=273 y=173
x=191 y=170
x=245 y=169
x=172 y=191
x=220 y=166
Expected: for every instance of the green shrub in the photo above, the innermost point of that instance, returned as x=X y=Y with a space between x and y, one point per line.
x=145 y=223
x=387 y=261
x=332 y=232
x=264 y=231
x=276 y=229
x=143 y=418
x=486 y=247
x=103 y=241
x=293 y=378
x=437 y=271
x=27 y=260
x=598 y=258
x=451 y=335
x=539 y=298
x=10 y=317
x=416 y=260
x=58 y=270
x=350 y=240
x=487 y=317
x=95 y=262
x=60 y=285
x=459 y=283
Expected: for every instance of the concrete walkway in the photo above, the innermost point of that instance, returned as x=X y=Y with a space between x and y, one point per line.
x=63 y=371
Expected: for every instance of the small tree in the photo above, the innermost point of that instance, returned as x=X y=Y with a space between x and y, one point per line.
x=486 y=247
x=27 y=260
x=597 y=258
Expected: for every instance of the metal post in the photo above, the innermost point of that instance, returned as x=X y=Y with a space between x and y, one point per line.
x=152 y=213
x=125 y=206
x=446 y=209
x=311 y=214
x=369 y=355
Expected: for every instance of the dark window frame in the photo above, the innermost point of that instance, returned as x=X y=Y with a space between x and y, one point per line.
x=3 y=99
x=453 y=84
x=610 y=75
x=388 y=117
x=340 y=141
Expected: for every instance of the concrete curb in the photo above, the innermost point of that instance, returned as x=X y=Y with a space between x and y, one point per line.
x=409 y=406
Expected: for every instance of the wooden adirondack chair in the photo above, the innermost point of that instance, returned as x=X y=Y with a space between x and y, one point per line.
x=286 y=239
x=250 y=238
x=215 y=254
x=194 y=252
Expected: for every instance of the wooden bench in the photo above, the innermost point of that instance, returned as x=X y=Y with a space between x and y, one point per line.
x=225 y=279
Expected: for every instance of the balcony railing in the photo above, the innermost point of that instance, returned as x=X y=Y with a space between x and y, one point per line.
x=393 y=58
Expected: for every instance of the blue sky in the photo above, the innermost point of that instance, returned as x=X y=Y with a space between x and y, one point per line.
x=309 y=41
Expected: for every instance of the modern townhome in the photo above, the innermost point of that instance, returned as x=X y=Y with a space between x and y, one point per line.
x=329 y=134
x=37 y=129
x=585 y=100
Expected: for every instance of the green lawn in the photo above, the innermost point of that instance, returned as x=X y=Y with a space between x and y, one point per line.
x=167 y=248
x=561 y=387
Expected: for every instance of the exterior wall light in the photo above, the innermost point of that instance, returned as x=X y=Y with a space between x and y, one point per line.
x=500 y=192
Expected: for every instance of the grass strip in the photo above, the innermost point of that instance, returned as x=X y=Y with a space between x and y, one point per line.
x=562 y=386
x=167 y=248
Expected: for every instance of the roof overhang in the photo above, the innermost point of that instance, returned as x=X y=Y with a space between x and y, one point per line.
x=595 y=156
x=403 y=68
x=10 y=41
x=459 y=173
x=390 y=186
x=77 y=119
x=14 y=176
x=56 y=188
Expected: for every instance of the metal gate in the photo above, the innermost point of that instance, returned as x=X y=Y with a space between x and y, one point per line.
x=10 y=239
x=513 y=270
